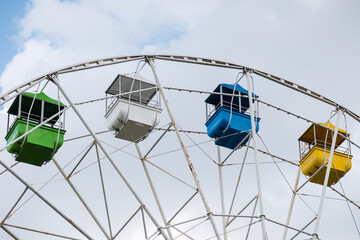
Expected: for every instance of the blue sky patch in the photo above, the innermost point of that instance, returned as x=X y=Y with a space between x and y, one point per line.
x=9 y=12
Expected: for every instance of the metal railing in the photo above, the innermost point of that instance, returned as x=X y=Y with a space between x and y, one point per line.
x=147 y=102
x=211 y=109
x=34 y=118
x=307 y=147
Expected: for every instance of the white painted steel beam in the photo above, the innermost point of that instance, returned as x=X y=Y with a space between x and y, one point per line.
x=292 y=203
x=187 y=157
x=184 y=59
x=251 y=220
x=221 y=184
x=41 y=232
x=45 y=200
x=153 y=190
x=126 y=223
x=96 y=139
x=254 y=135
x=81 y=199
x=329 y=164
x=182 y=207
x=13 y=207
x=104 y=191
x=9 y=232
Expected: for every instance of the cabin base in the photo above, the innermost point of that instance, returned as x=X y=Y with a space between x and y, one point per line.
x=341 y=164
x=132 y=121
x=133 y=131
x=38 y=146
x=236 y=135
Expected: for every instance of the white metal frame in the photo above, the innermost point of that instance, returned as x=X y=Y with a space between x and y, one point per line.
x=167 y=229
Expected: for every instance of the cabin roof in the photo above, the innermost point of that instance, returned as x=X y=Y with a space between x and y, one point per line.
x=322 y=134
x=214 y=99
x=32 y=101
x=125 y=83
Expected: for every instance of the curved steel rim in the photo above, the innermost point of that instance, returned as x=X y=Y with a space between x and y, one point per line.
x=177 y=58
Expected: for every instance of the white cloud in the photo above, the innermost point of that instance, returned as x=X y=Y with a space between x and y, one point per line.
x=107 y=26
x=58 y=33
x=36 y=55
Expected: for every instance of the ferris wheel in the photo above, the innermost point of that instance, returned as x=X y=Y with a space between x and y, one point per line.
x=175 y=147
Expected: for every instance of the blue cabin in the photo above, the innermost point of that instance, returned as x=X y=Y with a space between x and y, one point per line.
x=224 y=109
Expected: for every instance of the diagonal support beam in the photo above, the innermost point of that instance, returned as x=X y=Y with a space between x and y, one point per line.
x=292 y=203
x=16 y=203
x=103 y=189
x=251 y=219
x=13 y=165
x=45 y=200
x=162 y=135
x=238 y=180
x=97 y=140
x=144 y=224
x=153 y=190
x=82 y=158
x=127 y=222
x=221 y=185
x=41 y=232
x=237 y=147
x=327 y=175
x=81 y=199
x=243 y=209
x=308 y=224
x=253 y=135
x=186 y=154
x=9 y=232
x=182 y=207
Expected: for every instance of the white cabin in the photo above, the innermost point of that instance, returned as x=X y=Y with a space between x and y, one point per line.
x=132 y=113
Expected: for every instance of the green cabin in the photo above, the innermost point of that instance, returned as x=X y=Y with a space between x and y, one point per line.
x=26 y=112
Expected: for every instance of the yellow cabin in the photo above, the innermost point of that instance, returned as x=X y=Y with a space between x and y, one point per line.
x=315 y=144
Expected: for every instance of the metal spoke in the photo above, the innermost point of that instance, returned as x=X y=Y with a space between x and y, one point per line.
x=9 y=232
x=157 y=141
x=251 y=219
x=13 y=207
x=45 y=200
x=159 y=150
x=72 y=186
x=82 y=158
x=153 y=189
x=182 y=207
x=238 y=180
x=197 y=182
x=303 y=228
x=144 y=224
x=253 y=135
x=126 y=223
x=54 y=78
x=243 y=209
x=104 y=192
x=41 y=232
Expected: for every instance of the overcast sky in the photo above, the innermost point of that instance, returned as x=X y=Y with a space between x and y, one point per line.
x=311 y=42
x=314 y=43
